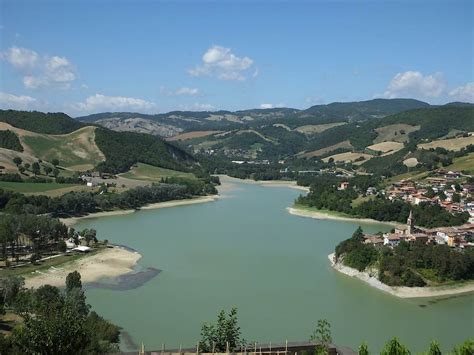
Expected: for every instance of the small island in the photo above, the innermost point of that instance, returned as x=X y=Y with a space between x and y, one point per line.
x=411 y=261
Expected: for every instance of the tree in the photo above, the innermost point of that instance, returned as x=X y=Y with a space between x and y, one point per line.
x=62 y=247
x=364 y=349
x=224 y=336
x=48 y=170
x=394 y=347
x=55 y=162
x=10 y=287
x=434 y=348
x=27 y=166
x=73 y=280
x=36 y=168
x=456 y=198
x=358 y=234
x=466 y=348
x=322 y=335
x=17 y=161
x=21 y=169
x=55 y=172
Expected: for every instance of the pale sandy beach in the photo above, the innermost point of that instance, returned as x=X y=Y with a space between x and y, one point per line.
x=322 y=215
x=269 y=183
x=109 y=262
x=402 y=292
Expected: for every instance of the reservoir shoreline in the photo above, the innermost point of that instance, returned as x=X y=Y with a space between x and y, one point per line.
x=105 y=263
x=402 y=292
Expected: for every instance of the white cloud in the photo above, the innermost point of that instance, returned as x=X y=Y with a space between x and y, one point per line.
x=221 y=63
x=20 y=58
x=268 y=105
x=14 y=102
x=42 y=71
x=415 y=84
x=182 y=91
x=99 y=102
x=463 y=93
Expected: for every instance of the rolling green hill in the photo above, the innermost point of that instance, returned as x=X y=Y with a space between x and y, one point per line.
x=51 y=136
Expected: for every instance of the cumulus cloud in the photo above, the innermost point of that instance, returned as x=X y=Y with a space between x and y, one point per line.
x=463 y=93
x=16 y=102
x=182 y=91
x=99 y=102
x=268 y=105
x=415 y=84
x=41 y=71
x=20 y=58
x=221 y=63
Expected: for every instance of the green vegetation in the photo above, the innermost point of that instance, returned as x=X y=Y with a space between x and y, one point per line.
x=407 y=264
x=224 y=336
x=124 y=149
x=79 y=203
x=31 y=187
x=75 y=149
x=9 y=140
x=49 y=123
x=54 y=321
x=325 y=195
x=153 y=173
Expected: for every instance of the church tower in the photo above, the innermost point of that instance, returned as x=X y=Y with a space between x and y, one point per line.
x=410 y=224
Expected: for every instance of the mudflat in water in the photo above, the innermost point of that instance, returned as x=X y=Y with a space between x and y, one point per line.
x=245 y=250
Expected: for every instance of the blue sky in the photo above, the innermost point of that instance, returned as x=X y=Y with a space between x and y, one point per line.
x=155 y=56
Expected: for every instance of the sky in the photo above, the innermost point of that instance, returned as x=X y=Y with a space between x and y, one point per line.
x=83 y=57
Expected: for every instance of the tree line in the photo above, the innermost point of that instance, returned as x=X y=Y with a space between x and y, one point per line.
x=83 y=202
x=324 y=194
x=407 y=264
x=54 y=321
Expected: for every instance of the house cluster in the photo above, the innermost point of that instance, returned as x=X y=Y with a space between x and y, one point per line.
x=441 y=189
x=461 y=237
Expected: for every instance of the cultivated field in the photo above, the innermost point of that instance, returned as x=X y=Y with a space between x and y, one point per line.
x=410 y=162
x=349 y=157
x=449 y=144
x=76 y=150
x=465 y=163
x=319 y=152
x=386 y=147
x=191 y=135
x=152 y=173
x=317 y=128
x=35 y=188
x=395 y=132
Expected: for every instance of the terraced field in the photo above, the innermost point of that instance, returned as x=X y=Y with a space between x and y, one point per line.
x=449 y=144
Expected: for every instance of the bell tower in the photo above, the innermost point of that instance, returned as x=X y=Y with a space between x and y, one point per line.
x=410 y=224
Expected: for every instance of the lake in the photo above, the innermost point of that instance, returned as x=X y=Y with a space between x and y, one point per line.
x=246 y=250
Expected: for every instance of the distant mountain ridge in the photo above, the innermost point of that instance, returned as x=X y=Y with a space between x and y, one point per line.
x=175 y=122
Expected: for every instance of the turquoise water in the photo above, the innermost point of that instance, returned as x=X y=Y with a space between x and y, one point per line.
x=245 y=250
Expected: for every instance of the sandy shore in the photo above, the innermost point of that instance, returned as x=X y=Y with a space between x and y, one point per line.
x=270 y=183
x=109 y=262
x=402 y=292
x=73 y=220
x=323 y=215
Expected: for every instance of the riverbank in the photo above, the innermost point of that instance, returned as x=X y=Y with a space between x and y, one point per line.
x=70 y=221
x=320 y=214
x=268 y=183
x=107 y=262
x=402 y=292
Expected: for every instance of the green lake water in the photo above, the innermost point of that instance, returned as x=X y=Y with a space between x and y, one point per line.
x=246 y=250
